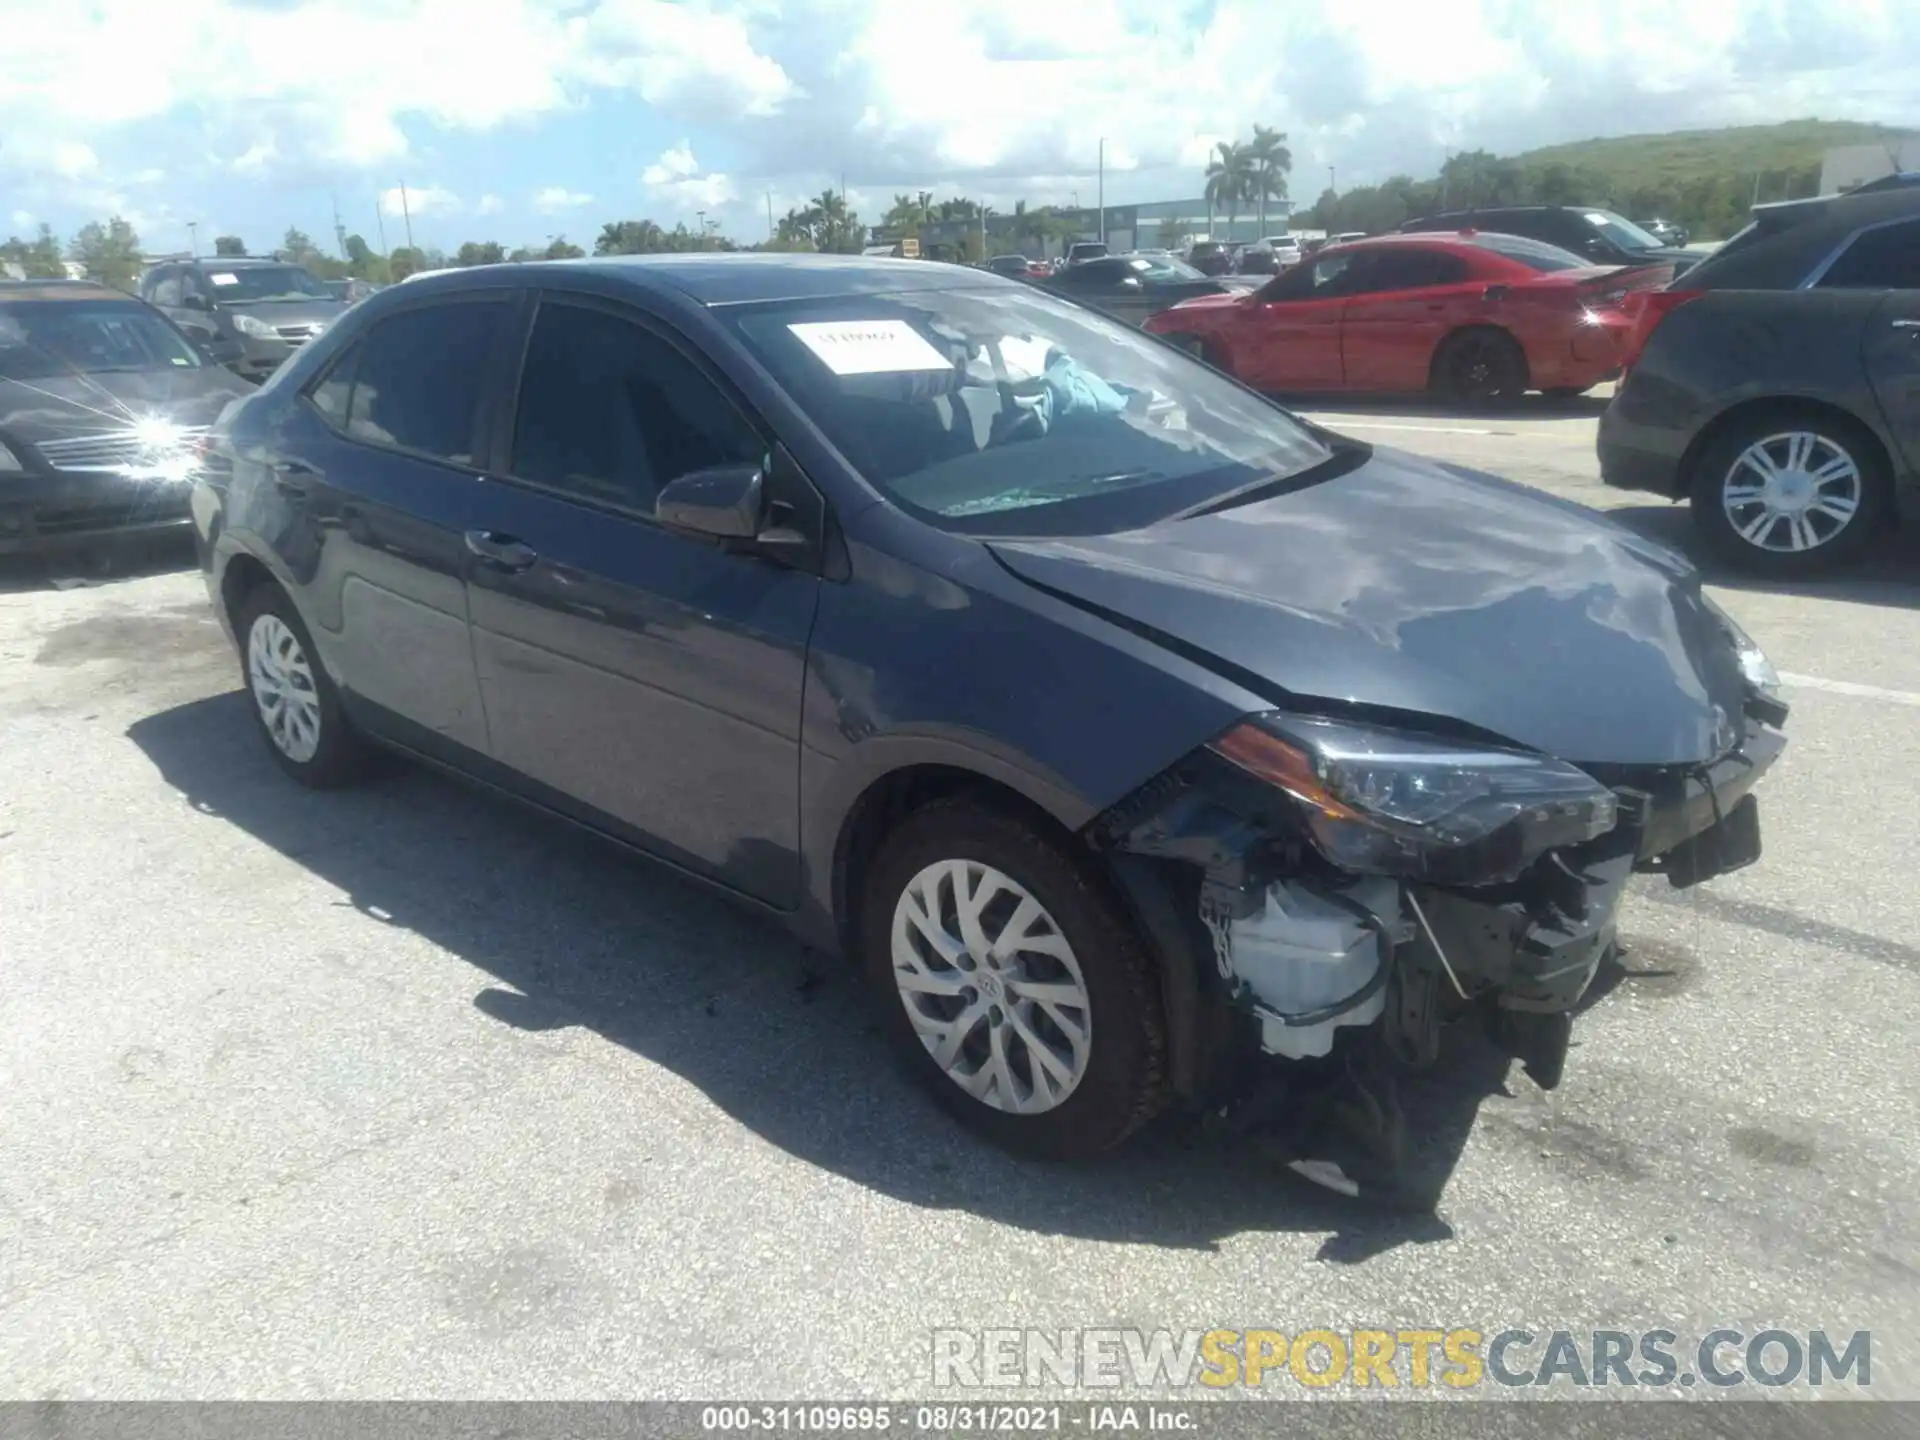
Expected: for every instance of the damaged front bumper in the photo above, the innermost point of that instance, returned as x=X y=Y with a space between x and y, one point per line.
x=1302 y=951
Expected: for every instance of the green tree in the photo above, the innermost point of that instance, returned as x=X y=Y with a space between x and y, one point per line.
x=561 y=248
x=230 y=246
x=298 y=247
x=482 y=252
x=364 y=264
x=38 y=258
x=110 y=253
x=1269 y=162
x=1228 y=176
x=630 y=237
x=406 y=261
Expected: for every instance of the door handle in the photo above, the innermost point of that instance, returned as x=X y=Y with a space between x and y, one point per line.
x=293 y=477
x=502 y=551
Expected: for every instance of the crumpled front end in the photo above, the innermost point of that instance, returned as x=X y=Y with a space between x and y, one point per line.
x=1359 y=885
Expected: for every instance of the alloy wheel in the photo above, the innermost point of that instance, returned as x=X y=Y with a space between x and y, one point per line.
x=283 y=690
x=1792 y=492
x=991 y=986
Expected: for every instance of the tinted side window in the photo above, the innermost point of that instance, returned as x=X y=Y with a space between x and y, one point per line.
x=1884 y=259
x=330 y=394
x=420 y=375
x=611 y=411
x=1412 y=269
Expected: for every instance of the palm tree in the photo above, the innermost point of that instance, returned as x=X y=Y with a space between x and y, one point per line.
x=1227 y=177
x=1271 y=160
x=904 y=211
x=831 y=210
x=925 y=201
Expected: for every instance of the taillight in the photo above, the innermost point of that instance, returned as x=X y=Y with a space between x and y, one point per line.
x=1647 y=308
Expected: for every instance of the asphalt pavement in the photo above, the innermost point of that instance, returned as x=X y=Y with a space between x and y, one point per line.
x=404 y=1092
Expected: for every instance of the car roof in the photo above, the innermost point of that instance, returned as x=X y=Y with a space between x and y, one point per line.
x=60 y=290
x=742 y=278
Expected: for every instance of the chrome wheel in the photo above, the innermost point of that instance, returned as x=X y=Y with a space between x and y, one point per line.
x=283 y=689
x=1792 y=492
x=991 y=986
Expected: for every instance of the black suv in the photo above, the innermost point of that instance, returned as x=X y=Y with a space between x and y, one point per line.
x=1600 y=235
x=1777 y=386
x=249 y=314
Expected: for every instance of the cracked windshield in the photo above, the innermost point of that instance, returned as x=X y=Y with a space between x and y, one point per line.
x=723 y=717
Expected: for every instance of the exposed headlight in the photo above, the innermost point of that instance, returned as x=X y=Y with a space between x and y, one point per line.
x=9 y=462
x=1754 y=664
x=256 y=327
x=1378 y=801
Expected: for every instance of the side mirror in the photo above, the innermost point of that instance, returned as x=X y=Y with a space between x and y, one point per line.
x=726 y=502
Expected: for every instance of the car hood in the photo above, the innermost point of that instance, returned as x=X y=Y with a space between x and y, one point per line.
x=89 y=404
x=291 y=312
x=1414 y=587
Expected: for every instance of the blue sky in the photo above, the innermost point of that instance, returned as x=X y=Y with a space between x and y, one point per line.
x=518 y=119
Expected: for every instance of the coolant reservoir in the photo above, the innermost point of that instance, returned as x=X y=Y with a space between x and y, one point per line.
x=1304 y=951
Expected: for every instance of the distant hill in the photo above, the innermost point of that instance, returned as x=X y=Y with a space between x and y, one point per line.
x=1635 y=162
x=1707 y=180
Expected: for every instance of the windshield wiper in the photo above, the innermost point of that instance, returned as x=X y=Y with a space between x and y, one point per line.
x=1346 y=455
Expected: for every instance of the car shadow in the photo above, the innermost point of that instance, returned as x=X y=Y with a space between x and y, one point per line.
x=102 y=563
x=1887 y=574
x=570 y=931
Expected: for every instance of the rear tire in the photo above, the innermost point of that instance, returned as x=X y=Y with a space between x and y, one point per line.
x=294 y=703
x=1013 y=985
x=1788 y=492
x=1481 y=366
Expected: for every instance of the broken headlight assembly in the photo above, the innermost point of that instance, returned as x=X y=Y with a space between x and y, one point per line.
x=1755 y=668
x=1380 y=801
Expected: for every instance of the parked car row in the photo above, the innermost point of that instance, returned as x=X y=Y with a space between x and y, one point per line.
x=757 y=563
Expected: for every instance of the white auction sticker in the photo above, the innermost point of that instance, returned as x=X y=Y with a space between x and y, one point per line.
x=224 y=279
x=869 y=347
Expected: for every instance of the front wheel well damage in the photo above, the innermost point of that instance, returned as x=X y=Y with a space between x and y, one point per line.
x=244 y=574
x=1160 y=899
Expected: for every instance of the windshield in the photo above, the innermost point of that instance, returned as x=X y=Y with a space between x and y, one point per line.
x=1163 y=267
x=252 y=284
x=1622 y=231
x=1007 y=412
x=43 y=339
x=1536 y=254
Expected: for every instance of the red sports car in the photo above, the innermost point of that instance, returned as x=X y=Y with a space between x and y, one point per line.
x=1472 y=316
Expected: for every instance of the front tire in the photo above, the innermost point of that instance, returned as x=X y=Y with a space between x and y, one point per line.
x=1012 y=983
x=293 y=701
x=1790 y=493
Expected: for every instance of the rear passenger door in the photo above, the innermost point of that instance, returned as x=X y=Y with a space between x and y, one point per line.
x=634 y=674
x=1888 y=258
x=377 y=474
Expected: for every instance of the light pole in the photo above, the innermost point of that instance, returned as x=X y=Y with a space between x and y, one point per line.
x=193 y=239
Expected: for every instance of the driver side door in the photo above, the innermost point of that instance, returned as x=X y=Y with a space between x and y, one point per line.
x=1289 y=339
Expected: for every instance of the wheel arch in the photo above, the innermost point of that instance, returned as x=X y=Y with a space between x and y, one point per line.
x=1147 y=892
x=243 y=574
x=1746 y=411
x=1479 y=327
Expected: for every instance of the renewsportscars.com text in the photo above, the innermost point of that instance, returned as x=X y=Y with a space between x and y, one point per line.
x=1362 y=1359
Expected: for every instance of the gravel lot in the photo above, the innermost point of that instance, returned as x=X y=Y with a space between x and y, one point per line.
x=405 y=1092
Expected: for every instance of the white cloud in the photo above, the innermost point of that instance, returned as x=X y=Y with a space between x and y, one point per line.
x=25 y=219
x=556 y=198
x=675 y=164
x=418 y=200
x=490 y=205
x=78 y=72
x=676 y=179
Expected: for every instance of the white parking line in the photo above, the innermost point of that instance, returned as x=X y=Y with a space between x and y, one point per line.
x=1848 y=687
x=1340 y=422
